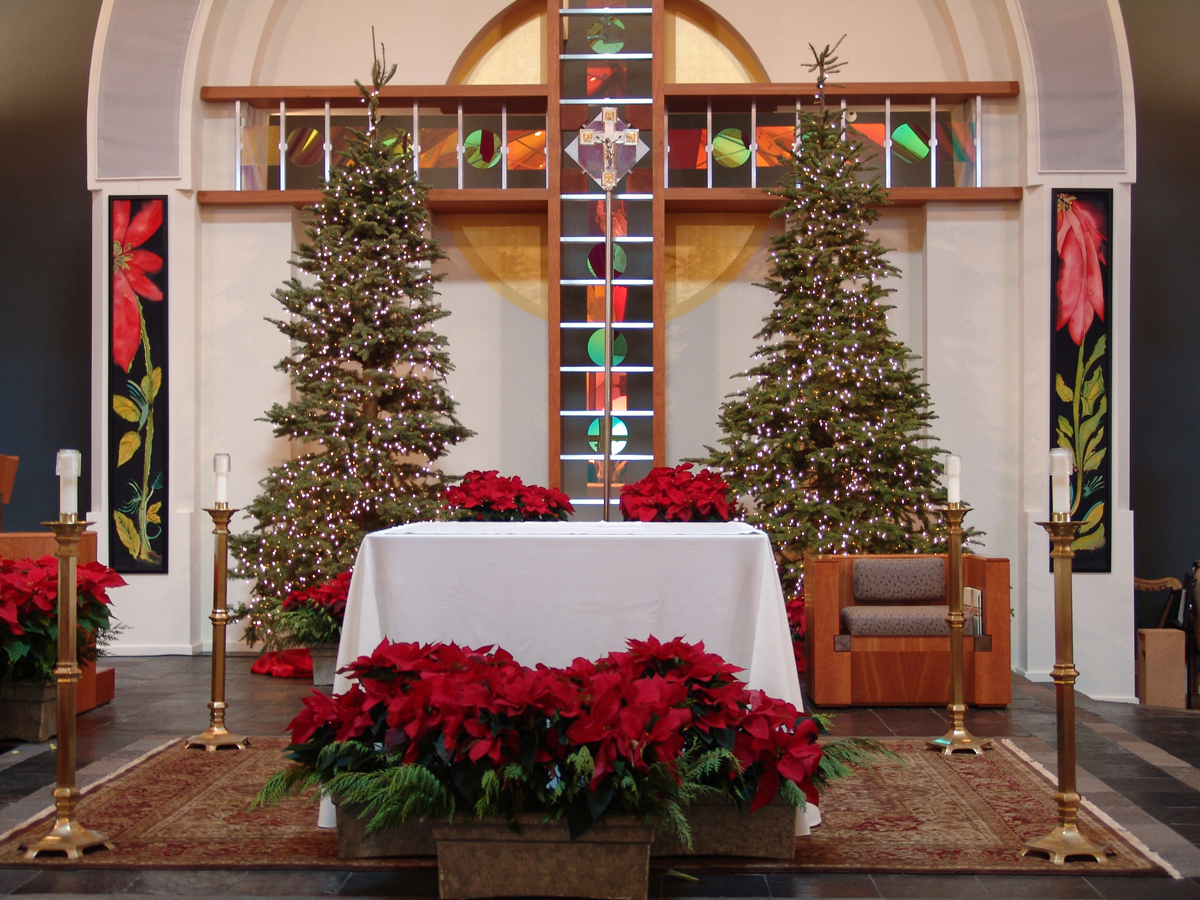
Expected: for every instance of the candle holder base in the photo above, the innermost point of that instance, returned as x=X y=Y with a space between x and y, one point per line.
x=959 y=740
x=69 y=837
x=1066 y=841
x=218 y=737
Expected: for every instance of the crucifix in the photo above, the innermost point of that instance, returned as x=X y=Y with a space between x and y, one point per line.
x=607 y=151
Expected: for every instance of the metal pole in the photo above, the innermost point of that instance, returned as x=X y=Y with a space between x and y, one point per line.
x=887 y=142
x=978 y=141
x=218 y=735
x=1065 y=840
x=957 y=739
x=283 y=145
x=237 y=145
x=67 y=835
x=606 y=429
x=933 y=141
x=327 y=147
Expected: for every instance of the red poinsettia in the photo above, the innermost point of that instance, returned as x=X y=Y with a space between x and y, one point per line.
x=329 y=597
x=1081 y=254
x=458 y=711
x=492 y=497
x=29 y=613
x=130 y=267
x=795 y=616
x=676 y=495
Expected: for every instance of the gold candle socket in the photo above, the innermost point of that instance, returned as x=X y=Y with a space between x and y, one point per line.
x=957 y=739
x=217 y=735
x=67 y=835
x=1065 y=840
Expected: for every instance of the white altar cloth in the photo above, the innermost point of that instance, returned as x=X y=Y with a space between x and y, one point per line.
x=549 y=592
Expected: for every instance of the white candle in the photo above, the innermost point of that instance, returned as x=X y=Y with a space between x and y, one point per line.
x=221 y=468
x=68 y=467
x=953 y=474
x=1060 y=480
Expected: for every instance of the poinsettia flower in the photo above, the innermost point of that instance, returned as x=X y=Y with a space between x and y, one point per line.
x=1081 y=254
x=130 y=267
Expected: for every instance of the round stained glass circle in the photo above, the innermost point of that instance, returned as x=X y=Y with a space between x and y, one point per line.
x=729 y=148
x=596 y=347
x=620 y=431
x=606 y=34
x=304 y=146
x=596 y=261
x=482 y=148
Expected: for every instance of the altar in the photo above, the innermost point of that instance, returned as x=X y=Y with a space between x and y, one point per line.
x=550 y=592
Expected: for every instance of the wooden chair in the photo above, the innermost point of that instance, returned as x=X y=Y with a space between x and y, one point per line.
x=856 y=669
x=8 y=475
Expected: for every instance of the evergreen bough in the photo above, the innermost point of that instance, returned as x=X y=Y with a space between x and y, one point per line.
x=371 y=414
x=828 y=439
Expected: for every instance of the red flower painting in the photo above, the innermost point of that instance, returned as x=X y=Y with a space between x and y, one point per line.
x=130 y=269
x=1081 y=254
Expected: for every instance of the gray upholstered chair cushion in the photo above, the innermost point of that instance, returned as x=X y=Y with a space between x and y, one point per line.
x=921 y=579
x=899 y=621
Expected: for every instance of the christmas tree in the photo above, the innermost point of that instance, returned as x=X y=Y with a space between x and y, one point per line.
x=828 y=438
x=371 y=410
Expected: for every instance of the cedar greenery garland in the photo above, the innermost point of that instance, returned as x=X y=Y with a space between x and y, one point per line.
x=829 y=437
x=371 y=413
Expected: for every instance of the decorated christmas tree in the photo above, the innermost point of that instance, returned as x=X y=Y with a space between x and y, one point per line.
x=371 y=414
x=828 y=439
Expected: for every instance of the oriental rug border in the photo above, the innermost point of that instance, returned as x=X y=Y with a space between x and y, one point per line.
x=185 y=809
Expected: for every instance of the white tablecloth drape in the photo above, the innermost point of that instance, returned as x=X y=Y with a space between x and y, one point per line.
x=549 y=592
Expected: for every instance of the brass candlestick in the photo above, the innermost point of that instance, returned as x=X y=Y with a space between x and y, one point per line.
x=217 y=735
x=1065 y=840
x=67 y=835
x=957 y=739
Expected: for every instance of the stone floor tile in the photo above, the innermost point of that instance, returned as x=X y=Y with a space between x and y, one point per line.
x=1125 y=887
x=714 y=886
x=78 y=881
x=235 y=882
x=931 y=887
x=822 y=886
x=11 y=879
x=1038 y=887
x=404 y=883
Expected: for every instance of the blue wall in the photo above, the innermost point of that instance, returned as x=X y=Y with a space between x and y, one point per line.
x=1165 y=288
x=45 y=247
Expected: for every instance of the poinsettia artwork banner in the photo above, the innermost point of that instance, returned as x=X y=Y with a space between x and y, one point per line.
x=1080 y=364
x=137 y=384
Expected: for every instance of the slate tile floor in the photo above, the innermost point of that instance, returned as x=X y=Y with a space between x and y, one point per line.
x=1142 y=765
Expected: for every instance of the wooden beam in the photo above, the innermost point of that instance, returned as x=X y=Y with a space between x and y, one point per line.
x=440 y=200
x=554 y=157
x=754 y=200
x=521 y=98
x=658 y=43
x=683 y=97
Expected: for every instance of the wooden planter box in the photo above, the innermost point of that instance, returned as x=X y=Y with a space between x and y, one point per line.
x=488 y=859
x=720 y=830
x=29 y=710
x=411 y=838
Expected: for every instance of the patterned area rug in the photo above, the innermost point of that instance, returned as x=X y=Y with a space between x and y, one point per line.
x=927 y=814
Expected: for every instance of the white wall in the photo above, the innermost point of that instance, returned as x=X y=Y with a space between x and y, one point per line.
x=973 y=302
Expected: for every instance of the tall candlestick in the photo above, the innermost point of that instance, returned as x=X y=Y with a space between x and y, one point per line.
x=1060 y=481
x=953 y=476
x=68 y=467
x=221 y=468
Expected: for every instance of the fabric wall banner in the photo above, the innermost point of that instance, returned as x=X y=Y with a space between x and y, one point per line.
x=1080 y=359
x=137 y=430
